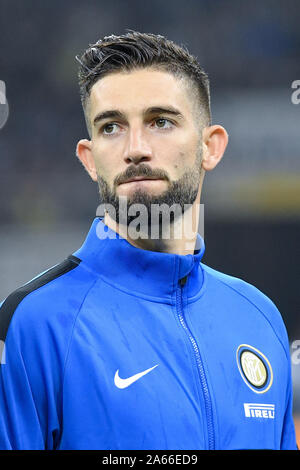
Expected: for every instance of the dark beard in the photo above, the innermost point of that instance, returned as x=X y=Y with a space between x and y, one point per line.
x=181 y=194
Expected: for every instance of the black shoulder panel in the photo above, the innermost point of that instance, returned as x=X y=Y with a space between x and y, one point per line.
x=12 y=301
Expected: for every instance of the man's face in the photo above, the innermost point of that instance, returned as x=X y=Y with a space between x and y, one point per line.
x=146 y=140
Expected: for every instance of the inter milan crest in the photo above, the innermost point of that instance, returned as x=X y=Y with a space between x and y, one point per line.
x=254 y=368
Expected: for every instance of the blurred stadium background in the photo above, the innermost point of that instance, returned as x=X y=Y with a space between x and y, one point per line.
x=252 y=199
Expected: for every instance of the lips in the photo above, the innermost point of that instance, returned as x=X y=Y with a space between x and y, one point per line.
x=139 y=178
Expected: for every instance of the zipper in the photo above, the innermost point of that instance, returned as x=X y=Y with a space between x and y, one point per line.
x=203 y=380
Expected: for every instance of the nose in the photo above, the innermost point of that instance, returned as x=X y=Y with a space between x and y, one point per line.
x=137 y=148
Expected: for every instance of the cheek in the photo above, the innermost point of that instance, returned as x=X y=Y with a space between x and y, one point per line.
x=108 y=159
x=184 y=159
x=103 y=171
x=103 y=163
x=176 y=164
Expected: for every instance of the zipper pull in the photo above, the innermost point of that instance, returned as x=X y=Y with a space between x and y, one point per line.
x=182 y=281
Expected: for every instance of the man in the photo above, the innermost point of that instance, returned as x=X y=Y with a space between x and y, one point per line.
x=132 y=342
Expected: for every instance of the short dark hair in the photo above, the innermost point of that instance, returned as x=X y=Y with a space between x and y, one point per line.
x=135 y=50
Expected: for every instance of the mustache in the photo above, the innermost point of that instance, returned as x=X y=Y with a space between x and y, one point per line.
x=141 y=170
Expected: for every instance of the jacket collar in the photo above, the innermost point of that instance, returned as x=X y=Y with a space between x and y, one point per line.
x=149 y=274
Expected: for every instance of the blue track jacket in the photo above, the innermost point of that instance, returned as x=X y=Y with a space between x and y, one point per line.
x=122 y=348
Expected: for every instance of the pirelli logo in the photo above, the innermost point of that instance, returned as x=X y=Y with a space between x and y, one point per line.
x=257 y=410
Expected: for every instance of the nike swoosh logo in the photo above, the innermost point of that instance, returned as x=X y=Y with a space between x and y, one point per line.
x=123 y=383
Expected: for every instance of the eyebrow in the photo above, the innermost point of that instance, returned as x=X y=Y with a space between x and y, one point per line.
x=116 y=114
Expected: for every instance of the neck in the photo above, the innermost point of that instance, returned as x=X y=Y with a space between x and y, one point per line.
x=178 y=237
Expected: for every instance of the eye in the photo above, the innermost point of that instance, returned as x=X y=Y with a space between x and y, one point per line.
x=109 y=129
x=163 y=123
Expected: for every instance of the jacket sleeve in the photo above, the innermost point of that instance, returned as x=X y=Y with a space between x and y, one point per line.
x=28 y=411
x=288 y=437
x=20 y=428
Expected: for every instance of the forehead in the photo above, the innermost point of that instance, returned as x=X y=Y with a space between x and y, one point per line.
x=139 y=89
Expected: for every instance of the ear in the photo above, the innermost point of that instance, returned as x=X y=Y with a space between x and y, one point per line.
x=84 y=153
x=215 y=140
